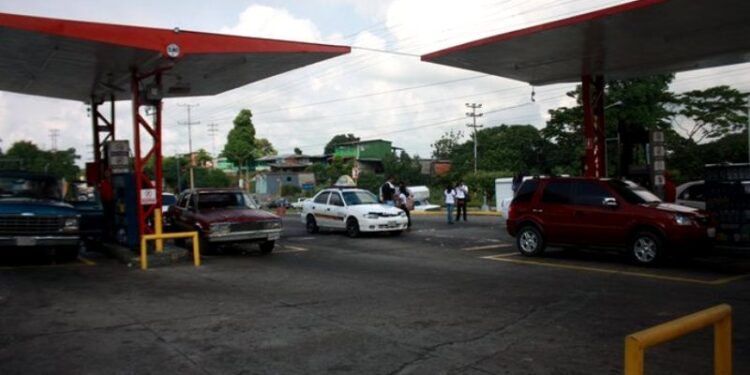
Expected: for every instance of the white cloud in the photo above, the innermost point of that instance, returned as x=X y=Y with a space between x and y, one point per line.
x=267 y=22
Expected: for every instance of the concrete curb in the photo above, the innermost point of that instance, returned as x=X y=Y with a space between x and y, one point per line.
x=171 y=255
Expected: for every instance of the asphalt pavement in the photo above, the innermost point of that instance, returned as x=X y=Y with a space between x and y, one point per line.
x=439 y=299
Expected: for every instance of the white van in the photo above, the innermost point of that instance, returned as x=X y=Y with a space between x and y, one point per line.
x=421 y=196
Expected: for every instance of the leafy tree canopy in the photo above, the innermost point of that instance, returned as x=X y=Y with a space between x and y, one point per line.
x=241 y=144
x=711 y=113
x=26 y=155
x=337 y=140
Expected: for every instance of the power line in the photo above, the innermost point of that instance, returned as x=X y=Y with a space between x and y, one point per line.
x=213 y=129
x=53 y=135
x=473 y=114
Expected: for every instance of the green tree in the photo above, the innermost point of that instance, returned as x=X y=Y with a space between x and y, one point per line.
x=444 y=147
x=240 y=148
x=482 y=183
x=644 y=105
x=711 y=113
x=263 y=148
x=60 y=164
x=202 y=157
x=327 y=174
x=403 y=168
x=337 y=140
x=297 y=151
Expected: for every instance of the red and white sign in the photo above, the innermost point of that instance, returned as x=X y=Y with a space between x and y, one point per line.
x=148 y=196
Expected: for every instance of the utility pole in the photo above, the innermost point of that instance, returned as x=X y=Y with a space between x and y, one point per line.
x=189 y=124
x=53 y=135
x=473 y=114
x=213 y=129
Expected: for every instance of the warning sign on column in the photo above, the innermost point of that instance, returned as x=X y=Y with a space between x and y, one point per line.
x=148 y=196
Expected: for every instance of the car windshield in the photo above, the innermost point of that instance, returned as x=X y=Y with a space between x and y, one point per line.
x=353 y=198
x=633 y=193
x=30 y=187
x=168 y=200
x=225 y=200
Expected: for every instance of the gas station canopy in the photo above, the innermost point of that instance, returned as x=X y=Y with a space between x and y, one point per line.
x=634 y=39
x=84 y=60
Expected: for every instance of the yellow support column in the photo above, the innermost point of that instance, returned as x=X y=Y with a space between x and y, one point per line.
x=723 y=346
x=158 y=229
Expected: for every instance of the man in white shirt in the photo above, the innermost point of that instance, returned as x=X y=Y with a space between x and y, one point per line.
x=462 y=192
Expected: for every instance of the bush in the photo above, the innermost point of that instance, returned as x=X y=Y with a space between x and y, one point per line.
x=290 y=191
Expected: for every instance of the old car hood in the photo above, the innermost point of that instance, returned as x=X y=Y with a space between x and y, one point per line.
x=32 y=206
x=235 y=215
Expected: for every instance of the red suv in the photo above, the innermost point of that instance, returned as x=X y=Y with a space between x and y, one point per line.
x=603 y=213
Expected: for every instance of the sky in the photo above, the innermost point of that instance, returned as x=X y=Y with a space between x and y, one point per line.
x=379 y=91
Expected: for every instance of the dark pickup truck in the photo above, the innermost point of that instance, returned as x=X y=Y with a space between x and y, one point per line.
x=33 y=215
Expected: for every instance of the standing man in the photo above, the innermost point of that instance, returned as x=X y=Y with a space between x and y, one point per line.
x=462 y=195
x=387 y=191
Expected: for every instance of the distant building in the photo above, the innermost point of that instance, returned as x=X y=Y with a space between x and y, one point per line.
x=288 y=162
x=268 y=184
x=368 y=154
x=434 y=167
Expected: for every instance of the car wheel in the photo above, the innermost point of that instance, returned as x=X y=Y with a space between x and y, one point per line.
x=396 y=233
x=311 y=225
x=646 y=248
x=530 y=241
x=267 y=247
x=352 y=228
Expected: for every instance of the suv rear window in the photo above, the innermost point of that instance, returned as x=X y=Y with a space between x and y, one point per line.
x=558 y=192
x=526 y=191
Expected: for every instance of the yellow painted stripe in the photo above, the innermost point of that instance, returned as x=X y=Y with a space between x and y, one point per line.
x=87 y=262
x=291 y=249
x=504 y=258
x=487 y=247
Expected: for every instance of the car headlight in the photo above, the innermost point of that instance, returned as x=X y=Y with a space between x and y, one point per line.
x=401 y=213
x=371 y=215
x=70 y=224
x=273 y=225
x=220 y=228
x=682 y=219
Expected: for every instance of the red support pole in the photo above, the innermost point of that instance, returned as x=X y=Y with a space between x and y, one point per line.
x=600 y=133
x=593 y=126
x=589 y=166
x=143 y=181
x=138 y=172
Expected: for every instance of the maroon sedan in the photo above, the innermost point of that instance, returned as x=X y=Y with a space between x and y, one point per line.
x=224 y=216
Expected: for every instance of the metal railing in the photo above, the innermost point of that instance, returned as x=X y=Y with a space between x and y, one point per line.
x=720 y=317
x=169 y=236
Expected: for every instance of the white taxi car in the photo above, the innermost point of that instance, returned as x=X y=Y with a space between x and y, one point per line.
x=352 y=210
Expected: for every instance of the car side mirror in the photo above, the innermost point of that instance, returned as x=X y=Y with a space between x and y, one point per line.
x=609 y=202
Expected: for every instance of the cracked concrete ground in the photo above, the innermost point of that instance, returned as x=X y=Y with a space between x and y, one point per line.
x=420 y=303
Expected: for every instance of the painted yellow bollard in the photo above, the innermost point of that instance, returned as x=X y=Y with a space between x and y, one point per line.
x=719 y=316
